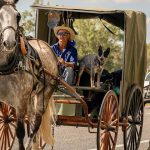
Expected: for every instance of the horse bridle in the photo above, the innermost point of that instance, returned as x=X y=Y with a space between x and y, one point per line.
x=9 y=68
x=9 y=27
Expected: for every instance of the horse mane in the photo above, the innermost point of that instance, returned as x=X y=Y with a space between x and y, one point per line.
x=3 y=2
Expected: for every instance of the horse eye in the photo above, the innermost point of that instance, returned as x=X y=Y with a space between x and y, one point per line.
x=18 y=17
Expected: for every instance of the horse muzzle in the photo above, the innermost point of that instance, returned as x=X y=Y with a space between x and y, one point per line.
x=9 y=46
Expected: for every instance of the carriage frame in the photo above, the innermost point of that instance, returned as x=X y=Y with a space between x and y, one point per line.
x=113 y=112
x=131 y=85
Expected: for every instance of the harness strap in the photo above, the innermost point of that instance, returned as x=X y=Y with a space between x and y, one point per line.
x=22 y=45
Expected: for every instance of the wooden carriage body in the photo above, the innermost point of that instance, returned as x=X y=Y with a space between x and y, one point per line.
x=133 y=23
x=125 y=111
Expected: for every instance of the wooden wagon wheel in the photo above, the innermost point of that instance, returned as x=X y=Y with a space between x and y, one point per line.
x=7 y=126
x=134 y=115
x=108 y=122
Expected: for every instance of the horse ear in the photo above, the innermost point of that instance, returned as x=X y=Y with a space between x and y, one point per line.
x=106 y=53
x=1 y=3
x=11 y=1
x=100 y=51
x=15 y=1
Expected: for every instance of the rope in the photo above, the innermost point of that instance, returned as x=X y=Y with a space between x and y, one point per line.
x=107 y=27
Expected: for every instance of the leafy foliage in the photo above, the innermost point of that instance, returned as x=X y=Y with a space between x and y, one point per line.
x=92 y=34
x=28 y=19
x=148 y=56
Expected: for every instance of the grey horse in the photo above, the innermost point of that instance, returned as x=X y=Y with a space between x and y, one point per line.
x=22 y=76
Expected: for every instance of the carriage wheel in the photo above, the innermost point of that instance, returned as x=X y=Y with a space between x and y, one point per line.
x=108 y=122
x=7 y=126
x=134 y=116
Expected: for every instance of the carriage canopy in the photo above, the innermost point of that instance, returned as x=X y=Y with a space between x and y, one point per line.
x=133 y=23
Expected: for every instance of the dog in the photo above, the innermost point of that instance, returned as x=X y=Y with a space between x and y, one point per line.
x=93 y=64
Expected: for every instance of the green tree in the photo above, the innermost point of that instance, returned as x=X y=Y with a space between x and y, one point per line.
x=28 y=19
x=28 y=22
x=92 y=34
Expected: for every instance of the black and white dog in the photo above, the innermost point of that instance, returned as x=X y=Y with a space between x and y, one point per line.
x=93 y=64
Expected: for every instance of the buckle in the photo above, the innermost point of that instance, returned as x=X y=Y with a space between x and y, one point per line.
x=20 y=66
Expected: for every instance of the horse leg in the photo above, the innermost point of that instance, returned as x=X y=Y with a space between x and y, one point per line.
x=41 y=105
x=36 y=143
x=20 y=133
x=37 y=122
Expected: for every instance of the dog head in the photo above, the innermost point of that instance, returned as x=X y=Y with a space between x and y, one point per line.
x=101 y=58
x=102 y=55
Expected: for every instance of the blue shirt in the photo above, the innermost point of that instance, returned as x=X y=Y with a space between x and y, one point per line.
x=69 y=54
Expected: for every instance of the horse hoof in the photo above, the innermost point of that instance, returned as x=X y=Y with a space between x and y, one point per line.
x=21 y=148
x=36 y=149
x=28 y=146
x=35 y=146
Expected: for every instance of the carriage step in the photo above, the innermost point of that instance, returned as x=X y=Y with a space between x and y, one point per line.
x=63 y=98
x=73 y=121
x=67 y=101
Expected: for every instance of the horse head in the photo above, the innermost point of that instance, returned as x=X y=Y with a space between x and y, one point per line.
x=9 y=22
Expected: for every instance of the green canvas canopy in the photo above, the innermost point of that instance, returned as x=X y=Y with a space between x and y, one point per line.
x=133 y=23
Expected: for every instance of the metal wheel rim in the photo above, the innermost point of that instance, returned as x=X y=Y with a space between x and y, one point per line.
x=108 y=124
x=134 y=116
x=7 y=126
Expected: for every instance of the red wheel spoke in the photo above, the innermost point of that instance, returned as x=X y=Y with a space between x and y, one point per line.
x=134 y=116
x=2 y=127
x=11 y=134
x=114 y=114
x=5 y=139
x=8 y=138
x=7 y=129
x=2 y=140
x=108 y=120
x=13 y=125
x=114 y=122
x=111 y=138
x=103 y=133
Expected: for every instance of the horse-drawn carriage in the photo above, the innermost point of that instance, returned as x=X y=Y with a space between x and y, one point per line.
x=125 y=110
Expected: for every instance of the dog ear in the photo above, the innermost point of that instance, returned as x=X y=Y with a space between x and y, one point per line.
x=106 y=53
x=100 y=51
